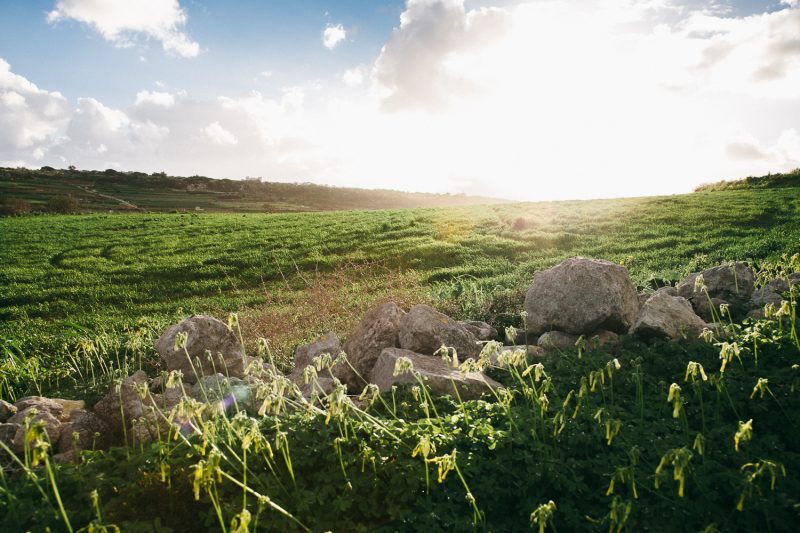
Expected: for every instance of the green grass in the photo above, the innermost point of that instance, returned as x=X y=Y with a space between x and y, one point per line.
x=80 y=288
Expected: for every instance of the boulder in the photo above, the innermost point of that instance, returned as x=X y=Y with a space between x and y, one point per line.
x=52 y=406
x=667 y=316
x=669 y=290
x=771 y=293
x=519 y=337
x=733 y=283
x=7 y=410
x=84 y=431
x=580 y=296
x=68 y=407
x=7 y=434
x=378 y=329
x=132 y=410
x=226 y=393
x=316 y=392
x=703 y=308
x=481 y=330
x=439 y=376
x=601 y=338
x=531 y=352
x=203 y=334
x=424 y=330
x=557 y=340
x=328 y=343
x=52 y=426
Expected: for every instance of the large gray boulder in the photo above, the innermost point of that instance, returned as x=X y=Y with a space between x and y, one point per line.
x=732 y=283
x=439 y=376
x=51 y=405
x=324 y=344
x=771 y=293
x=84 y=431
x=580 y=296
x=667 y=316
x=203 y=334
x=52 y=426
x=424 y=330
x=378 y=329
x=129 y=409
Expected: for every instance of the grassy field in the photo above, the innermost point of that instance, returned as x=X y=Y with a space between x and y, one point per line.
x=76 y=289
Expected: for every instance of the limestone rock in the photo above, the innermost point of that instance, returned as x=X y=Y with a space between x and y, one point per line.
x=424 y=330
x=203 y=333
x=669 y=290
x=435 y=373
x=531 y=352
x=84 y=431
x=733 y=283
x=481 y=330
x=52 y=426
x=703 y=308
x=601 y=338
x=54 y=407
x=667 y=316
x=7 y=434
x=771 y=293
x=378 y=329
x=7 y=410
x=132 y=410
x=316 y=392
x=328 y=343
x=580 y=296
x=557 y=340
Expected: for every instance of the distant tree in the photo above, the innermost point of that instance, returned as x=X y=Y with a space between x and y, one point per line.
x=13 y=206
x=63 y=204
x=72 y=167
x=48 y=169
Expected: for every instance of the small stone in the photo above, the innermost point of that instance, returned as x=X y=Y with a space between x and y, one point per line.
x=557 y=340
x=439 y=376
x=481 y=330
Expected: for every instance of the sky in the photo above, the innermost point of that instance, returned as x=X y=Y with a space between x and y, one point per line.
x=527 y=100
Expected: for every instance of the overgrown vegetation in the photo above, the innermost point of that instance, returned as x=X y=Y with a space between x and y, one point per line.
x=770 y=181
x=699 y=435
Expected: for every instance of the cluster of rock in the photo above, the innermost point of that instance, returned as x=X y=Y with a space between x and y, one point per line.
x=69 y=425
x=579 y=297
x=387 y=333
x=592 y=297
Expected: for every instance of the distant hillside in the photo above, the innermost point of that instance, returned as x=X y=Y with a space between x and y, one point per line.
x=770 y=181
x=58 y=190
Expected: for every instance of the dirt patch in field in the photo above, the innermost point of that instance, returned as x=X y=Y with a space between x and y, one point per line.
x=309 y=304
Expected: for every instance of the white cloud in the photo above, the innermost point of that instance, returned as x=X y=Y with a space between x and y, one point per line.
x=118 y=21
x=219 y=135
x=29 y=116
x=414 y=68
x=333 y=35
x=158 y=98
x=353 y=77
